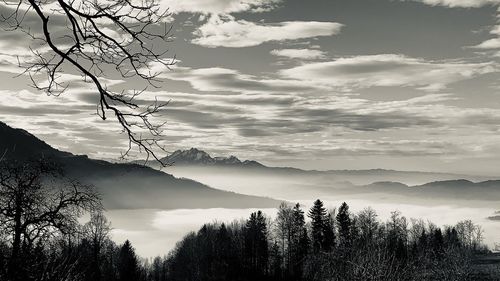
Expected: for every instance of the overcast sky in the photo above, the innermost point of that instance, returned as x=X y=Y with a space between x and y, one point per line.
x=323 y=84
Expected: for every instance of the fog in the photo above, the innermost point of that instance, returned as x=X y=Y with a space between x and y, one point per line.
x=155 y=232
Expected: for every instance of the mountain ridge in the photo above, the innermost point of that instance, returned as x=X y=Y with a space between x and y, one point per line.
x=196 y=156
x=125 y=185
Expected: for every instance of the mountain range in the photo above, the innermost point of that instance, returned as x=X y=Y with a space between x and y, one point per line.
x=125 y=185
x=195 y=156
x=130 y=185
x=450 y=189
x=288 y=183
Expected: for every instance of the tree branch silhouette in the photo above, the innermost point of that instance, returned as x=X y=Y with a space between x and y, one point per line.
x=118 y=37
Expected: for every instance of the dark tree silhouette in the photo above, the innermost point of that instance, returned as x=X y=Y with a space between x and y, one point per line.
x=96 y=231
x=256 y=247
x=249 y=250
x=128 y=264
x=36 y=202
x=98 y=40
x=344 y=226
x=328 y=233
x=369 y=256
x=317 y=213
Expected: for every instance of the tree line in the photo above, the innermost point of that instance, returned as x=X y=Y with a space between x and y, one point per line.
x=333 y=245
x=42 y=239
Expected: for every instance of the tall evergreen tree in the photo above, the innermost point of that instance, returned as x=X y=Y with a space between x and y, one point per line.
x=275 y=262
x=317 y=213
x=328 y=232
x=256 y=247
x=223 y=254
x=344 y=226
x=128 y=264
x=299 y=244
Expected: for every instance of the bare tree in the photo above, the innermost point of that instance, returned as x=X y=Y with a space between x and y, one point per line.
x=368 y=225
x=36 y=203
x=97 y=231
x=99 y=40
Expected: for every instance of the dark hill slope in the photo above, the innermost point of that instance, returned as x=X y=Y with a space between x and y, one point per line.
x=125 y=185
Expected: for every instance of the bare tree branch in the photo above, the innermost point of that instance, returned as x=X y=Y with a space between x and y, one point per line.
x=124 y=38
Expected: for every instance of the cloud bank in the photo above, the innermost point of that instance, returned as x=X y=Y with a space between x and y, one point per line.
x=231 y=33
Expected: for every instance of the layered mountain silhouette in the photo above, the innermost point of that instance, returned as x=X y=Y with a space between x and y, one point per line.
x=292 y=183
x=125 y=185
x=438 y=190
x=195 y=156
x=132 y=185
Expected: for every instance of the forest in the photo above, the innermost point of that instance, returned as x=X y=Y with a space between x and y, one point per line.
x=41 y=238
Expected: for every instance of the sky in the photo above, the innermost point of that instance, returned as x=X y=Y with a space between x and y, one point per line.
x=319 y=84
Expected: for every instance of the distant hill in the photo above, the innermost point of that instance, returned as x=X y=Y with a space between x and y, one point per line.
x=201 y=166
x=494 y=218
x=197 y=158
x=449 y=189
x=126 y=185
x=288 y=183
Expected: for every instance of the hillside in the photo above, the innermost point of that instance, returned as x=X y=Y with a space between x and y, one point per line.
x=126 y=185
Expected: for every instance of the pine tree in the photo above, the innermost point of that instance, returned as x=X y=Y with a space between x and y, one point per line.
x=223 y=255
x=275 y=262
x=128 y=265
x=317 y=213
x=299 y=244
x=329 y=234
x=344 y=226
x=256 y=248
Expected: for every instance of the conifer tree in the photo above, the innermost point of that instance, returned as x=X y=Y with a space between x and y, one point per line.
x=128 y=264
x=344 y=226
x=317 y=213
x=329 y=234
x=256 y=248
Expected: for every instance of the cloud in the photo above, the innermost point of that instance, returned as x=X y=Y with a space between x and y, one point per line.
x=228 y=32
x=387 y=70
x=493 y=43
x=219 y=6
x=216 y=79
x=460 y=3
x=307 y=54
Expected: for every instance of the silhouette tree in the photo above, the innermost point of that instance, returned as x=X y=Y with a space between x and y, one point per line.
x=100 y=41
x=290 y=229
x=367 y=258
x=224 y=258
x=317 y=213
x=328 y=233
x=128 y=264
x=275 y=262
x=344 y=226
x=367 y=224
x=36 y=202
x=300 y=242
x=96 y=231
x=256 y=247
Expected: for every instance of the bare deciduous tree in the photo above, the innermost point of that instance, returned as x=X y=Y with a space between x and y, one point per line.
x=97 y=231
x=99 y=40
x=36 y=203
